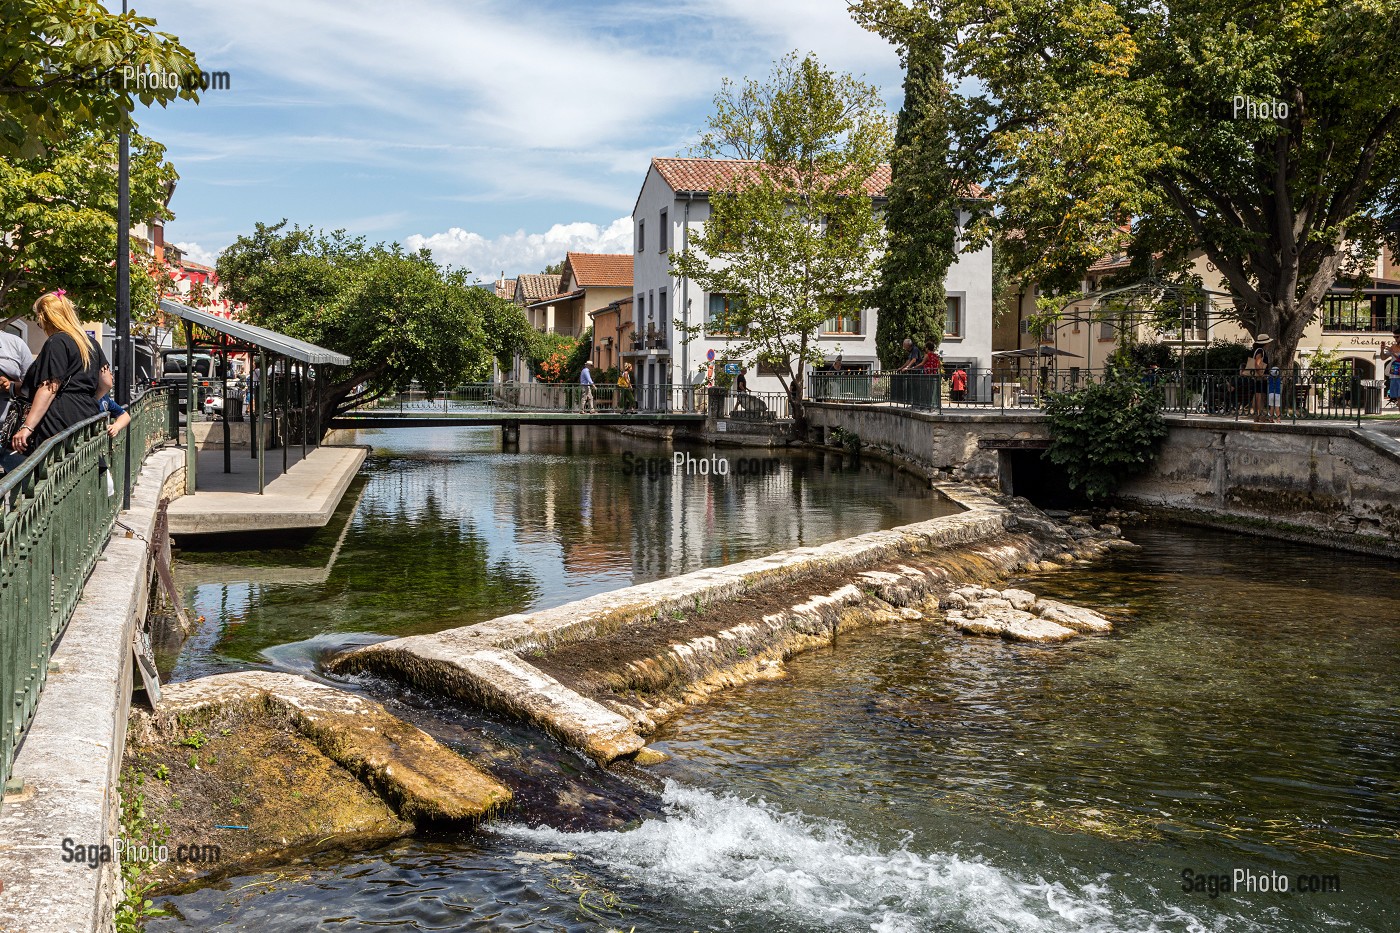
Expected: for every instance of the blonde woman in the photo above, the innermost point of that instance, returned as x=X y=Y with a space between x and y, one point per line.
x=61 y=387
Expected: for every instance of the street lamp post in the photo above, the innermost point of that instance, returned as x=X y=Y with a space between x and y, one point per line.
x=125 y=359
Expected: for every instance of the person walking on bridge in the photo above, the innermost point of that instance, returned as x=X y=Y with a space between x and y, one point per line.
x=585 y=379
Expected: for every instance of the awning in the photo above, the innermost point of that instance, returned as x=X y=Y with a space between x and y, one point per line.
x=256 y=336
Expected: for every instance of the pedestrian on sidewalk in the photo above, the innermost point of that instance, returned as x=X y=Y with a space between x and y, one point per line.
x=60 y=389
x=585 y=379
x=958 y=392
x=627 y=398
x=118 y=414
x=15 y=360
x=1390 y=369
x=1256 y=372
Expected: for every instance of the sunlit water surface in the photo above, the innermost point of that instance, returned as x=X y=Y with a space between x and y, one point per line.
x=1243 y=716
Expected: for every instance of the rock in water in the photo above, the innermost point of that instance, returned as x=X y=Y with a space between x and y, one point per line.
x=983 y=607
x=953 y=601
x=1075 y=617
x=1019 y=599
x=1040 y=631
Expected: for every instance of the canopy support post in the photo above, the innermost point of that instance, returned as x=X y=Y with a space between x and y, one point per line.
x=191 y=448
x=261 y=445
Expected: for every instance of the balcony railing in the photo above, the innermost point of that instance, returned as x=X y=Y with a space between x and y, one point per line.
x=56 y=512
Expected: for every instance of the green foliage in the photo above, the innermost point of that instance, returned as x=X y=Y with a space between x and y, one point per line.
x=138 y=829
x=195 y=739
x=848 y=440
x=1144 y=355
x=62 y=61
x=1218 y=355
x=1101 y=113
x=921 y=219
x=551 y=358
x=60 y=218
x=1104 y=432
x=397 y=315
x=792 y=238
x=507 y=331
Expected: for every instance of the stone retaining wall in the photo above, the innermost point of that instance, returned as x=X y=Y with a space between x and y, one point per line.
x=72 y=755
x=1329 y=483
x=943 y=443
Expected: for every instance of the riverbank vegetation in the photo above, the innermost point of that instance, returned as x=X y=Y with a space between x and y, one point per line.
x=1104 y=432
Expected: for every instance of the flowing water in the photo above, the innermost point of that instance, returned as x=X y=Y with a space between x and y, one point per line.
x=448 y=529
x=1243 y=716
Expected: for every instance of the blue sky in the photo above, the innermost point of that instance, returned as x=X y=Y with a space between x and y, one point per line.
x=498 y=134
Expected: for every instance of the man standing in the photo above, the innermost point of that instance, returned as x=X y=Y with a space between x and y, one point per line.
x=15 y=360
x=585 y=379
x=959 y=385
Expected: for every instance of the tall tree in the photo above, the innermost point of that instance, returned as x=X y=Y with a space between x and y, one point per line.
x=60 y=217
x=792 y=237
x=1265 y=135
x=63 y=60
x=397 y=315
x=921 y=219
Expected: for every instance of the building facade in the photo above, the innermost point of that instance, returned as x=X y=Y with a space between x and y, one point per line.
x=1353 y=323
x=670 y=338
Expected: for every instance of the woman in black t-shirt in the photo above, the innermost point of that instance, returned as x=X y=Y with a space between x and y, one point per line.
x=61 y=386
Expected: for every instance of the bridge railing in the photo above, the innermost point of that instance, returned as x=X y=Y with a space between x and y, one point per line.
x=538 y=397
x=57 y=510
x=1217 y=393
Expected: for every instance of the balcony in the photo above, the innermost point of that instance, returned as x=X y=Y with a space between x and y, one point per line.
x=651 y=343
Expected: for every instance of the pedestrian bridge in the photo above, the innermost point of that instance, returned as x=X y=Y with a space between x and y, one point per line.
x=512 y=405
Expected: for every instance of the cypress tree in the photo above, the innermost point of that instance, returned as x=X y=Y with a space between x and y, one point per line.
x=922 y=213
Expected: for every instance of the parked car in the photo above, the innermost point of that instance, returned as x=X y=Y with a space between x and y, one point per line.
x=175 y=369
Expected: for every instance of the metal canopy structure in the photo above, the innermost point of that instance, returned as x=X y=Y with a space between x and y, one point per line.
x=257 y=337
x=282 y=403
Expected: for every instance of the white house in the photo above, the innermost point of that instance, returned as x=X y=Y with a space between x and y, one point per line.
x=674 y=204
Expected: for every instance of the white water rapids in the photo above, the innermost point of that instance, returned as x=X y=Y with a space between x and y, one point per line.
x=728 y=853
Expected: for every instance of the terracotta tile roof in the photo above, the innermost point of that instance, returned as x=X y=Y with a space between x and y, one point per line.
x=505 y=288
x=716 y=174
x=1110 y=262
x=554 y=299
x=537 y=287
x=601 y=270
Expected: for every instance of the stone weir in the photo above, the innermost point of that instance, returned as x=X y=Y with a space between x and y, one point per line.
x=602 y=673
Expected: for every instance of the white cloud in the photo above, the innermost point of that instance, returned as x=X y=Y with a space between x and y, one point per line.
x=520 y=252
x=198 y=253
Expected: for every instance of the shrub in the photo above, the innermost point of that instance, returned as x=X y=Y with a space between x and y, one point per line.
x=1102 y=433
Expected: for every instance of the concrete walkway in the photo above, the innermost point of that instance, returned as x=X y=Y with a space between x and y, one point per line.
x=72 y=754
x=304 y=496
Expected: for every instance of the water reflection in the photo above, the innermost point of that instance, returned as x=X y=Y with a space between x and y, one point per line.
x=450 y=529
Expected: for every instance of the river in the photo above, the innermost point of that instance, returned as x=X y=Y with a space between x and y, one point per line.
x=1243 y=716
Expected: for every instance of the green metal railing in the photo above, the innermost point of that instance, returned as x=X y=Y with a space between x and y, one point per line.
x=56 y=512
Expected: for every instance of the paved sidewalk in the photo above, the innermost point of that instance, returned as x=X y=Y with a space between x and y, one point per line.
x=303 y=497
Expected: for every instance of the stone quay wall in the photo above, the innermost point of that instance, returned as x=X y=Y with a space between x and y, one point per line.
x=1322 y=483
